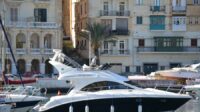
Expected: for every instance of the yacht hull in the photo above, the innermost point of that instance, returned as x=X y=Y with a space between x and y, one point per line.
x=123 y=105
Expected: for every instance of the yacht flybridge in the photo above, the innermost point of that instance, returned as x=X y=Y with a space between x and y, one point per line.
x=96 y=90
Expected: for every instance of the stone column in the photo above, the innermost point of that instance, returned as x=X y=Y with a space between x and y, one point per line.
x=28 y=42
x=14 y=70
x=28 y=67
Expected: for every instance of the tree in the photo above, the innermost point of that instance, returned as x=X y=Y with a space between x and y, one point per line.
x=99 y=33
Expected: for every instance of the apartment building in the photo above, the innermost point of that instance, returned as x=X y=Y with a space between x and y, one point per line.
x=169 y=39
x=116 y=15
x=34 y=30
x=150 y=34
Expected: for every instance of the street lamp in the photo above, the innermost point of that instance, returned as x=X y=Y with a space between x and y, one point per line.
x=89 y=43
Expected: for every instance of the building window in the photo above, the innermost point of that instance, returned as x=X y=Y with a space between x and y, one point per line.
x=13 y=14
x=157 y=22
x=121 y=47
x=193 y=42
x=121 y=8
x=127 y=69
x=179 y=20
x=139 y=19
x=139 y=2
x=173 y=65
x=156 y=2
x=105 y=8
x=105 y=47
x=162 y=67
x=122 y=26
x=168 y=44
x=190 y=20
x=141 y=42
x=194 y=20
x=138 y=69
x=178 y=2
x=40 y=15
x=196 y=1
x=81 y=9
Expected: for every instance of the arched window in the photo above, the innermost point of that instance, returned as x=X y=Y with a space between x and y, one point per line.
x=21 y=66
x=48 y=67
x=35 y=66
x=48 y=41
x=20 y=41
x=34 y=41
x=8 y=66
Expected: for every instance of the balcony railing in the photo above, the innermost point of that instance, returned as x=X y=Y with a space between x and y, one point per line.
x=48 y=51
x=32 y=24
x=179 y=8
x=115 y=52
x=35 y=51
x=120 y=32
x=168 y=49
x=21 y=50
x=41 y=1
x=15 y=0
x=157 y=8
x=8 y=51
x=181 y=27
x=157 y=26
x=114 y=13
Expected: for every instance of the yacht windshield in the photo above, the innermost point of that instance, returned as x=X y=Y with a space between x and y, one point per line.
x=104 y=85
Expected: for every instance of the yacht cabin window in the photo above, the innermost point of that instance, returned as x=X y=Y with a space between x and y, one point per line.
x=104 y=85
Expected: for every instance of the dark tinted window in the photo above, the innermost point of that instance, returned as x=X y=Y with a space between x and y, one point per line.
x=104 y=85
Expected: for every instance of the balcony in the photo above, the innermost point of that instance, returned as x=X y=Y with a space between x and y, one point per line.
x=179 y=8
x=15 y=0
x=20 y=24
x=157 y=8
x=157 y=27
x=21 y=51
x=41 y=1
x=179 y=23
x=35 y=51
x=8 y=51
x=115 y=52
x=48 y=51
x=114 y=13
x=169 y=49
x=120 y=32
x=179 y=27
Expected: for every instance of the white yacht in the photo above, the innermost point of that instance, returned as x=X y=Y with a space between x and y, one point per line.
x=95 y=90
x=179 y=73
x=20 y=102
x=193 y=90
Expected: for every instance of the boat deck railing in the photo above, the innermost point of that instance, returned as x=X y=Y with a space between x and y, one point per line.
x=21 y=90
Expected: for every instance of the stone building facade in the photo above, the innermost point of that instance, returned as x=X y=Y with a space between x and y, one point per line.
x=34 y=30
x=150 y=34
